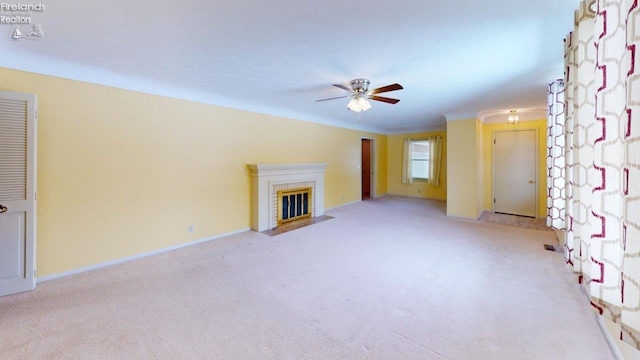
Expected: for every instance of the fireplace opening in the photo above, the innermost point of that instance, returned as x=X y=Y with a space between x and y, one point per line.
x=294 y=205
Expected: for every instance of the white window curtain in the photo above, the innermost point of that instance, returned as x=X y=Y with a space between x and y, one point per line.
x=556 y=180
x=407 y=177
x=602 y=155
x=435 y=160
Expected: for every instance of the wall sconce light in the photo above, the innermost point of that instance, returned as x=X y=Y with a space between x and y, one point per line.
x=513 y=118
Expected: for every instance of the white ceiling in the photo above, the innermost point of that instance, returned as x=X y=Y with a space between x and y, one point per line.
x=455 y=59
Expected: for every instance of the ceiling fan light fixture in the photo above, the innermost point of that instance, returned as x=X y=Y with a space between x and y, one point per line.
x=364 y=104
x=360 y=94
x=353 y=105
x=358 y=103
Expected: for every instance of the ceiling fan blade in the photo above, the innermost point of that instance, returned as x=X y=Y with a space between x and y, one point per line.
x=391 y=87
x=333 y=98
x=385 y=99
x=343 y=87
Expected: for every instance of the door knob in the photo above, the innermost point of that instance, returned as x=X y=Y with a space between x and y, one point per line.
x=532 y=181
x=3 y=209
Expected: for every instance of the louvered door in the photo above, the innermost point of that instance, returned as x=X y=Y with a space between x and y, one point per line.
x=17 y=192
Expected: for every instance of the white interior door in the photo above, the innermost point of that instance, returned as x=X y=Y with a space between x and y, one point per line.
x=17 y=192
x=515 y=184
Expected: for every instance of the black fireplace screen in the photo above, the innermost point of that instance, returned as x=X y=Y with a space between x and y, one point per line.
x=294 y=205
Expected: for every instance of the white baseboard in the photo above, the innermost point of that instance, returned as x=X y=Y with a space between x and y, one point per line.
x=462 y=218
x=603 y=327
x=414 y=197
x=610 y=340
x=135 y=257
x=343 y=205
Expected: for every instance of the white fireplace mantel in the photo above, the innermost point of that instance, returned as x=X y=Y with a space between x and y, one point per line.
x=265 y=178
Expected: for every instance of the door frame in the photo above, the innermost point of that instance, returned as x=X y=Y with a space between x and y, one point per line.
x=537 y=167
x=372 y=172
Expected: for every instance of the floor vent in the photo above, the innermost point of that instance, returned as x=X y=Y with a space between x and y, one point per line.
x=549 y=247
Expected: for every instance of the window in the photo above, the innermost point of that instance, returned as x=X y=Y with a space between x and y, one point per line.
x=420 y=159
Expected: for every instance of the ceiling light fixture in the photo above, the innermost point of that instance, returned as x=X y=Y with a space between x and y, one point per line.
x=360 y=98
x=513 y=118
x=359 y=103
x=360 y=94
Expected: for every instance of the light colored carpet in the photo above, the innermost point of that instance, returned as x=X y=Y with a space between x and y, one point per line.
x=389 y=278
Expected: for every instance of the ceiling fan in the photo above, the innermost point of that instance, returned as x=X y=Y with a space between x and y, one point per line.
x=360 y=94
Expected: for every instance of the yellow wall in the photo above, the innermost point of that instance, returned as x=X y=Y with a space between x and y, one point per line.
x=479 y=166
x=462 y=169
x=487 y=183
x=418 y=188
x=122 y=173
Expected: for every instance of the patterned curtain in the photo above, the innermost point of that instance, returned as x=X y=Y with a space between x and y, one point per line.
x=556 y=180
x=602 y=154
x=572 y=242
x=630 y=319
x=580 y=96
x=615 y=244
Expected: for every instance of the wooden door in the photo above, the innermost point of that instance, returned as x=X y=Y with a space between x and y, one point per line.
x=366 y=169
x=17 y=192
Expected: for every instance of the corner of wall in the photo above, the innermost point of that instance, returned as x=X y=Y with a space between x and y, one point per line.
x=462 y=168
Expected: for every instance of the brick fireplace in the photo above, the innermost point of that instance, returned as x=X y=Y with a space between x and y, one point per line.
x=267 y=180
